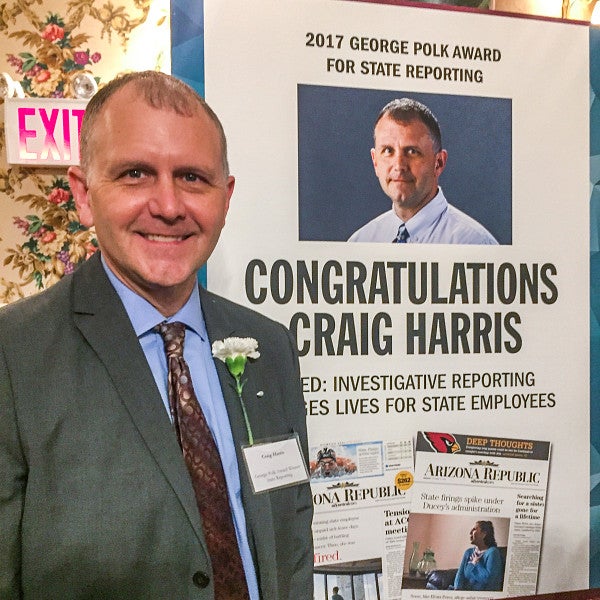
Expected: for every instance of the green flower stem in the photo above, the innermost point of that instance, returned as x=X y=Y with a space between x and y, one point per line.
x=236 y=365
x=239 y=386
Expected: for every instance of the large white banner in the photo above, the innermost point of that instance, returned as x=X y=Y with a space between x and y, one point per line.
x=397 y=338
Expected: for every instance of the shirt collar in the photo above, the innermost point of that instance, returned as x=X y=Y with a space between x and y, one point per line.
x=144 y=317
x=427 y=216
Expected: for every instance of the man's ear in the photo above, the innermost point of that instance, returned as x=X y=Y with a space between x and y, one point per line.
x=79 y=189
x=440 y=161
x=229 y=186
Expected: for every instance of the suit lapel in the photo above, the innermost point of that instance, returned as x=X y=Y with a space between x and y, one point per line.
x=102 y=320
x=221 y=324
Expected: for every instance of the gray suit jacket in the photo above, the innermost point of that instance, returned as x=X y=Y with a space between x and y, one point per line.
x=95 y=498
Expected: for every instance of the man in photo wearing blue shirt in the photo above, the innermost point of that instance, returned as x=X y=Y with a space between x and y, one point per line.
x=121 y=478
x=408 y=159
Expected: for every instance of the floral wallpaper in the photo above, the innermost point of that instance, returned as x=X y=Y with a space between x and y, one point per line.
x=43 y=46
x=46 y=71
x=55 y=240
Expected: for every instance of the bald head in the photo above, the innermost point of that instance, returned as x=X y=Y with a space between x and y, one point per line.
x=158 y=90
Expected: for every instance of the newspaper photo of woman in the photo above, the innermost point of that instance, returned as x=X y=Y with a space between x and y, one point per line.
x=482 y=567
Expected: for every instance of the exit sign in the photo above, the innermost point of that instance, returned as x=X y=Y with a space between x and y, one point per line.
x=43 y=131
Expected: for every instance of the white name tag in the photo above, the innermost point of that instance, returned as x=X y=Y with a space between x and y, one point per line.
x=275 y=463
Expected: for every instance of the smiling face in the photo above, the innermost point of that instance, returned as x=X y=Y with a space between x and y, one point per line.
x=156 y=192
x=407 y=164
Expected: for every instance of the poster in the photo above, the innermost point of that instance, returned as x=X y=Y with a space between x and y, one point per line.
x=399 y=338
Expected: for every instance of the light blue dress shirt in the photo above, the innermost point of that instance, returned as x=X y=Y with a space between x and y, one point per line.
x=198 y=355
x=436 y=223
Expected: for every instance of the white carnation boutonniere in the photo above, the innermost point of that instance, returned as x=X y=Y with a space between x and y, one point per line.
x=235 y=352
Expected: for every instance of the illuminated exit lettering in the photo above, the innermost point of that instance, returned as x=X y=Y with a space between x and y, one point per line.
x=58 y=128
x=43 y=131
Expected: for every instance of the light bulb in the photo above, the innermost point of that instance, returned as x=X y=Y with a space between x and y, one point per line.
x=84 y=86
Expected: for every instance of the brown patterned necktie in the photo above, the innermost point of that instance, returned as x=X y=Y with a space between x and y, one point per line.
x=204 y=464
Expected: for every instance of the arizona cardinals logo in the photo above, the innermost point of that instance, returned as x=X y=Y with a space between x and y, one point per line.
x=442 y=442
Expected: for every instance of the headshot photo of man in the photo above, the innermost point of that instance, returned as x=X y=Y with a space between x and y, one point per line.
x=341 y=188
x=408 y=159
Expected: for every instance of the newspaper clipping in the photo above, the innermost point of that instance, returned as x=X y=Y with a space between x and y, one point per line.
x=361 y=494
x=477 y=516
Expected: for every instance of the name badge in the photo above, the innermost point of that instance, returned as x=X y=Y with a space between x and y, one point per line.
x=275 y=463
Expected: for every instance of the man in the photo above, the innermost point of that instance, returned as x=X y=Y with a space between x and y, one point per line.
x=482 y=567
x=336 y=595
x=96 y=497
x=408 y=159
x=328 y=464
